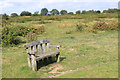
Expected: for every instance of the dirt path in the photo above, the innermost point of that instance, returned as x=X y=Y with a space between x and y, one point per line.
x=82 y=68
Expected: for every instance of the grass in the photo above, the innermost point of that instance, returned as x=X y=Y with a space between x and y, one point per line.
x=79 y=49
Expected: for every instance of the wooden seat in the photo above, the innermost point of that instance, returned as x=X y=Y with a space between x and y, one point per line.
x=39 y=50
x=46 y=55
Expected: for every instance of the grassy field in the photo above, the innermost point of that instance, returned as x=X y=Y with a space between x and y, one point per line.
x=83 y=54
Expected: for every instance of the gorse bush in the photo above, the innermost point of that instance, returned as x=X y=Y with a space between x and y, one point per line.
x=8 y=37
x=113 y=25
x=11 y=33
x=101 y=25
x=18 y=30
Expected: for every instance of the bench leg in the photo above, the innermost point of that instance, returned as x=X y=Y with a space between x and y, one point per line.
x=34 y=63
x=58 y=57
x=29 y=61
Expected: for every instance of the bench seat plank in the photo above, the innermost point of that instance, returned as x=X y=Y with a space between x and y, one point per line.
x=47 y=54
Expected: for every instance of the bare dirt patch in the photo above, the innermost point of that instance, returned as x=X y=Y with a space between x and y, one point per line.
x=55 y=67
x=81 y=68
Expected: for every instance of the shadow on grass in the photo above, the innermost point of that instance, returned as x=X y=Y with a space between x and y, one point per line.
x=47 y=61
x=62 y=58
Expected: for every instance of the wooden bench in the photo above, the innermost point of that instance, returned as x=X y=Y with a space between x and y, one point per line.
x=39 y=50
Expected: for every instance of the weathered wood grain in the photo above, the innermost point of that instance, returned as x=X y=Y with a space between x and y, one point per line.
x=34 y=64
x=36 y=43
x=38 y=49
x=48 y=47
x=28 y=57
x=58 y=57
x=43 y=48
x=48 y=54
x=55 y=46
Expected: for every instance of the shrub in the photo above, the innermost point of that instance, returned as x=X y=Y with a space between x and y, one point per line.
x=113 y=25
x=8 y=38
x=79 y=27
x=31 y=37
x=101 y=25
x=18 y=30
x=10 y=33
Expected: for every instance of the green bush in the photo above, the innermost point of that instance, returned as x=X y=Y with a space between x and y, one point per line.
x=8 y=38
x=11 y=33
x=18 y=30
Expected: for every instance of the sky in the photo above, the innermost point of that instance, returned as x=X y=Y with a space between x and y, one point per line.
x=17 y=6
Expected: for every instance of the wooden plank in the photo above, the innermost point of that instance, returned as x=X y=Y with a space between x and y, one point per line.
x=58 y=57
x=55 y=46
x=29 y=60
x=47 y=54
x=48 y=47
x=28 y=50
x=28 y=57
x=34 y=64
x=36 y=43
x=43 y=48
x=38 y=49
x=33 y=50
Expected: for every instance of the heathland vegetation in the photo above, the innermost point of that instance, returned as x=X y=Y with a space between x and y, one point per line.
x=88 y=39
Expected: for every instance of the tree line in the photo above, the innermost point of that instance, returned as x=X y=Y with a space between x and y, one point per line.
x=44 y=11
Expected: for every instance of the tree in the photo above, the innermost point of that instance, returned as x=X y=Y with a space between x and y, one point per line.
x=62 y=12
x=98 y=11
x=84 y=11
x=112 y=10
x=70 y=13
x=14 y=14
x=5 y=16
x=25 y=13
x=36 y=13
x=78 y=12
x=44 y=11
x=91 y=11
x=104 y=11
x=54 y=12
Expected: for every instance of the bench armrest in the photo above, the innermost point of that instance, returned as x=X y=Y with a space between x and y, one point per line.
x=55 y=46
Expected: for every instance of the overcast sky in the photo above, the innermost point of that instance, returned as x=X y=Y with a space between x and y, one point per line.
x=17 y=6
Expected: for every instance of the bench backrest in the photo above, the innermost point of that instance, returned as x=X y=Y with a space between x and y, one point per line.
x=38 y=47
